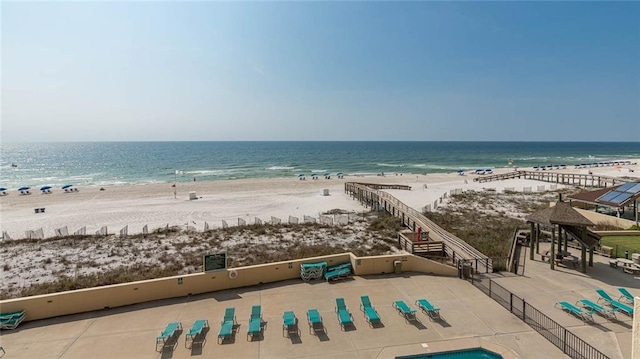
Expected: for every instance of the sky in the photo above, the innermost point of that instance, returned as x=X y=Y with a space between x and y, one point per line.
x=388 y=71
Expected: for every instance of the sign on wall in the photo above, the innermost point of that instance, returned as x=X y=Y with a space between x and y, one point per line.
x=213 y=262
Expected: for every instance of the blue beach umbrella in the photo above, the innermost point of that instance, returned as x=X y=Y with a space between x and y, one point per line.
x=3 y=188
x=301 y=175
x=66 y=186
x=45 y=187
x=24 y=188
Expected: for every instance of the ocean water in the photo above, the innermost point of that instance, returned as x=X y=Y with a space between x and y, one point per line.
x=113 y=163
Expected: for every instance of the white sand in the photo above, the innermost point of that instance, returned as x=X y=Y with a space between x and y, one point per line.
x=154 y=205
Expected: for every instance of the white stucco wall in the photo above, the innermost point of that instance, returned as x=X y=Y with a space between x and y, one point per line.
x=635 y=344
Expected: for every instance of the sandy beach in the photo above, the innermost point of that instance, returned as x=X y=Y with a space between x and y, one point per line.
x=154 y=205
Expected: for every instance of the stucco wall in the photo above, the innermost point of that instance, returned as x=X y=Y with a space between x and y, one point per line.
x=85 y=300
x=635 y=344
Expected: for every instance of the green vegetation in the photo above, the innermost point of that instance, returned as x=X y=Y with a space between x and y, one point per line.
x=620 y=244
x=487 y=220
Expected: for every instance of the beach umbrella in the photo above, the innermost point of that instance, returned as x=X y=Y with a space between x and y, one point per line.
x=66 y=186
x=45 y=187
x=301 y=175
x=3 y=188
x=24 y=188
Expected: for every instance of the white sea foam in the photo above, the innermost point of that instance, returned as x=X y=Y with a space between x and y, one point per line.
x=280 y=168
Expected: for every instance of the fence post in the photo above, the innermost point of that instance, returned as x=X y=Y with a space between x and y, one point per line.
x=524 y=306
x=564 y=341
x=510 y=302
x=490 y=288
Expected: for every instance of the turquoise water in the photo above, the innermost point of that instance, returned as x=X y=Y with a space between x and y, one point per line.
x=109 y=163
x=477 y=353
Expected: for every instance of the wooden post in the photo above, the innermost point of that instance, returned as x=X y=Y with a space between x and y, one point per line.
x=538 y=238
x=584 y=250
x=552 y=252
x=559 y=239
x=591 y=257
x=531 y=241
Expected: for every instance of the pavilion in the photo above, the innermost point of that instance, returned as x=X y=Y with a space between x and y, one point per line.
x=572 y=224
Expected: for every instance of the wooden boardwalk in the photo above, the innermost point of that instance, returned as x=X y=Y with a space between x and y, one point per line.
x=455 y=248
x=573 y=179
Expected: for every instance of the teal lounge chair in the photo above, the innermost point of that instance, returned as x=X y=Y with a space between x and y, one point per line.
x=255 y=322
x=168 y=333
x=226 y=331
x=626 y=296
x=11 y=315
x=315 y=321
x=408 y=313
x=11 y=320
x=603 y=296
x=370 y=313
x=228 y=325
x=289 y=324
x=196 y=329
x=622 y=307
x=344 y=316
x=230 y=315
x=337 y=274
x=425 y=306
x=572 y=309
x=606 y=312
x=614 y=303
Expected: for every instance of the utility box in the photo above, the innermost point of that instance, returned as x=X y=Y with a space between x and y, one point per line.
x=397 y=267
x=192 y=195
x=467 y=270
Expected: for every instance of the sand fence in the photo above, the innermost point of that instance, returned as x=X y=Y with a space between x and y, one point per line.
x=325 y=219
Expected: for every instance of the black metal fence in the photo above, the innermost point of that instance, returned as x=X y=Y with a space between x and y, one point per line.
x=569 y=343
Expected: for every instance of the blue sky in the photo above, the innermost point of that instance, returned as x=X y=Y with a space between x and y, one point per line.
x=120 y=71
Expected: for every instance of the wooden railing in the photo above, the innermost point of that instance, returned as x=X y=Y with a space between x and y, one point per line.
x=575 y=179
x=454 y=247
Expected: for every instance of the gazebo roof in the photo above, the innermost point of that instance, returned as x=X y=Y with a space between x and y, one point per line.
x=562 y=213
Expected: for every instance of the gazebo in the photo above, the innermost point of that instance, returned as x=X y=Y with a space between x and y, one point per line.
x=571 y=223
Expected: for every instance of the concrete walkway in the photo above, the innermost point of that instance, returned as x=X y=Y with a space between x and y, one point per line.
x=542 y=288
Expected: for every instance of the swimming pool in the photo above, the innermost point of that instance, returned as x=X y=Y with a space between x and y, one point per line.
x=475 y=353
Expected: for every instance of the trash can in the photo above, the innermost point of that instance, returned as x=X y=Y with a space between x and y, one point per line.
x=397 y=267
x=467 y=270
